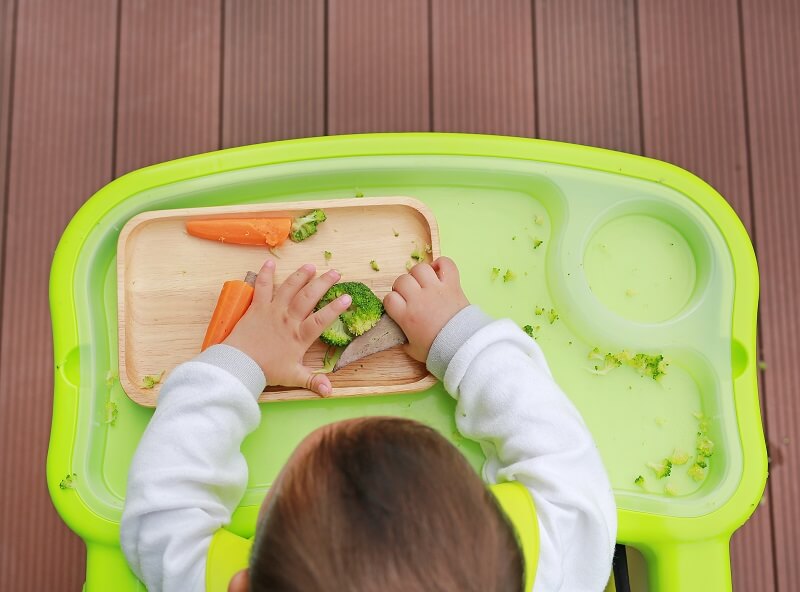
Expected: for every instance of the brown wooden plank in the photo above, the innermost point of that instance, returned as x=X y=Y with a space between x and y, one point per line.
x=692 y=92
x=772 y=53
x=274 y=71
x=693 y=115
x=6 y=56
x=169 y=80
x=483 y=67
x=61 y=145
x=378 y=66
x=587 y=79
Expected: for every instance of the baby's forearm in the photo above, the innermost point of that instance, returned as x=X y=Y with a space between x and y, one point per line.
x=188 y=473
x=530 y=432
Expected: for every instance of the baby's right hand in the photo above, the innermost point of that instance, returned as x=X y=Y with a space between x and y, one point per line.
x=423 y=301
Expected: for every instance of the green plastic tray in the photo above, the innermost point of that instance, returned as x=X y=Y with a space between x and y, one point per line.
x=636 y=254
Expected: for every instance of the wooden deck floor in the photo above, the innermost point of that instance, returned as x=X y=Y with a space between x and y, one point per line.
x=91 y=89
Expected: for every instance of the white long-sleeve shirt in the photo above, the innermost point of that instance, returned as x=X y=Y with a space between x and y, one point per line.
x=188 y=474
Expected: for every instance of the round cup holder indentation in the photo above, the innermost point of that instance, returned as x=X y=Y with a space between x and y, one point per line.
x=641 y=267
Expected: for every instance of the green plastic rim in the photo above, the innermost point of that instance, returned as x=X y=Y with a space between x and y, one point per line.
x=670 y=542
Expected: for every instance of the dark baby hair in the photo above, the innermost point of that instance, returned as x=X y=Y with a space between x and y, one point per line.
x=388 y=505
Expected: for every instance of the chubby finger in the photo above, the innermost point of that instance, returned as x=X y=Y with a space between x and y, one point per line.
x=265 y=282
x=424 y=274
x=395 y=305
x=313 y=381
x=446 y=269
x=294 y=283
x=406 y=285
x=315 y=324
x=306 y=299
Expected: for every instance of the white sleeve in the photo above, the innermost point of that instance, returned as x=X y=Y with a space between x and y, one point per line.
x=188 y=473
x=530 y=432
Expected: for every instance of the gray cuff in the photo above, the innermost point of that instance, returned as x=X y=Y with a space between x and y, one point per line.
x=238 y=363
x=455 y=333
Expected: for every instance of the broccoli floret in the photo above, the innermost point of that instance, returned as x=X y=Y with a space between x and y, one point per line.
x=639 y=481
x=374 y=265
x=529 y=330
x=705 y=447
x=701 y=462
x=552 y=316
x=679 y=457
x=359 y=194
x=509 y=276
x=662 y=469
x=610 y=362
x=328 y=255
x=305 y=226
x=697 y=472
x=68 y=482
x=363 y=314
x=337 y=334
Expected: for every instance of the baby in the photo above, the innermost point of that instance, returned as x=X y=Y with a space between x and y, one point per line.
x=382 y=504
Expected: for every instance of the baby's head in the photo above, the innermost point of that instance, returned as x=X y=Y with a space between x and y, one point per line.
x=381 y=504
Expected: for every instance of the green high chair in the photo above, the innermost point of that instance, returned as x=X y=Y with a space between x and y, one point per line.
x=634 y=254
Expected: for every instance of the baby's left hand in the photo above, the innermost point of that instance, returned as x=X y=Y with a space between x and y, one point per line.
x=277 y=330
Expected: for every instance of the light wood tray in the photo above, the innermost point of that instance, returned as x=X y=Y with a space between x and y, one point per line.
x=169 y=283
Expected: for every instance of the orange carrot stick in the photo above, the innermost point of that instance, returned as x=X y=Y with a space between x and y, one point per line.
x=233 y=302
x=242 y=231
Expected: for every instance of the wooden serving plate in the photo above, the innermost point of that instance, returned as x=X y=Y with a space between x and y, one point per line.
x=168 y=284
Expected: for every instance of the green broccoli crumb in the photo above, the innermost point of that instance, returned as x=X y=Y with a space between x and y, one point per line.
x=151 y=380
x=68 y=482
x=538 y=311
x=327 y=255
x=111 y=377
x=762 y=365
x=537 y=243
x=305 y=226
x=639 y=481
x=359 y=194
x=662 y=469
x=528 y=329
x=697 y=472
x=111 y=413
x=679 y=457
x=509 y=276
x=418 y=255
x=594 y=354
x=552 y=316
x=538 y=220
x=374 y=265
x=495 y=273
x=705 y=447
x=670 y=490
x=630 y=292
